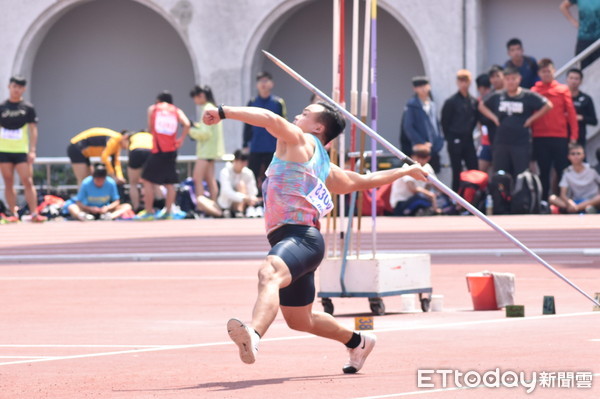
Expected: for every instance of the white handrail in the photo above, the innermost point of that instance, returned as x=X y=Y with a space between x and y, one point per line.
x=590 y=49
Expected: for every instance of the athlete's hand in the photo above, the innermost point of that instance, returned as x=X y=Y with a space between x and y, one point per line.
x=211 y=116
x=179 y=142
x=416 y=172
x=31 y=157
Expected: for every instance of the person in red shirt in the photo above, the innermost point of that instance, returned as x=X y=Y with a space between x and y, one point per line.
x=163 y=121
x=551 y=131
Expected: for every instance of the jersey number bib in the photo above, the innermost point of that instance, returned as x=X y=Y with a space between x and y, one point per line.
x=11 y=134
x=165 y=123
x=320 y=198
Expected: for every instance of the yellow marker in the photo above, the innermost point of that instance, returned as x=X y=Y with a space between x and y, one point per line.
x=363 y=323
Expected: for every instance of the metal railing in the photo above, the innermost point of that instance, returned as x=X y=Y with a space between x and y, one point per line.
x=589 y=50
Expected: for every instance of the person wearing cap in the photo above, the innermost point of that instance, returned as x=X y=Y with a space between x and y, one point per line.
x=257 y=142
x=164 y=120
x=96 y=142
x=18 y=141
x=513 y=110
x=98 y=198
x=459 y=118
x=420 y=124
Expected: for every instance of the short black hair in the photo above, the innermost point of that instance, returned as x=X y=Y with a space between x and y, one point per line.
x=514 y=42
x=165 y=97
x=495 y=69
x=99 y=171
x=262 y=75
x=239 y=155
x=545 y=63
x=332 y=119
x=19 y=80
x=483 y=80
x=577 y=71
x=511 y=71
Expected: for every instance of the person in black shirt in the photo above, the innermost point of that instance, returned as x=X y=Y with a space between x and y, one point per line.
x=459 y=117
x=584 y=105
x=513 y=110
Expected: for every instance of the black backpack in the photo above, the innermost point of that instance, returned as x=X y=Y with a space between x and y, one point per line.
x=527 y=194
x=500 y=188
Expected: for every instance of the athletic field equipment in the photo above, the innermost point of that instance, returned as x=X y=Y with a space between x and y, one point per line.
x=515 y=311
x=549 y=307
x=438 y=184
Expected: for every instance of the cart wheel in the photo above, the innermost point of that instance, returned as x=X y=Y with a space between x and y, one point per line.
x=327 y=305
x=425 y=302
x=377 y=306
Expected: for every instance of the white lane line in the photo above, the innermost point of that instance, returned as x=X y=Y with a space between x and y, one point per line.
x=76 y=346
x=595 y=340
x=27 y=357
x=426 y=392
x=295 y=337
x=126 y=278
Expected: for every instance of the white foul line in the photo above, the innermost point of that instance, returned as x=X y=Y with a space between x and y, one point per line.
x=306 y=336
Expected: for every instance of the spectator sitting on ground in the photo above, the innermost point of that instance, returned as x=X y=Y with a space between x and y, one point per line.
x=98 y=198
x=579 y=185
x=238 y=188
x=410 y=197
x=526 y=65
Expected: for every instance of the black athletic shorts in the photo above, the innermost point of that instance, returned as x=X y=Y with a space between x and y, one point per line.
x=138 y=157
x=75 y=155
x=160 y=168
x=13 y=157
x=302 y=249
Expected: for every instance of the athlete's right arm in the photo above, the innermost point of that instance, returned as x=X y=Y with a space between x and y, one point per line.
x=277 y=126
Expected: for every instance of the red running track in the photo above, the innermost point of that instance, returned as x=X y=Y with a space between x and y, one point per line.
x=157 y=329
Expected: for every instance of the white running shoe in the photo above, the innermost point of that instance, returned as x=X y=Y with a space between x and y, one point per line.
x=359 y=354
x=251 y=212
x=245 y=338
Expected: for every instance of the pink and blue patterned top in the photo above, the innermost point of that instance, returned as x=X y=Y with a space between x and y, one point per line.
x=295 y=192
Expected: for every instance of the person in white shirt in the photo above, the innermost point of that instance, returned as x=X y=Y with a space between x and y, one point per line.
x=239 y=192
x=410 y=197
x=579 y=185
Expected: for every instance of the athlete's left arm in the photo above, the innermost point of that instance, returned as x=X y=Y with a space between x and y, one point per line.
x=33 y=136
x=342 y=181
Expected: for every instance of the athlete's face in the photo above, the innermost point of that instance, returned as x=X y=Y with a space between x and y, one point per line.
x=512 y=81
x=15 y=91
x=546 y=74
x=573 y=80
x=515 y=52
x=307 y=120
x=99 y=181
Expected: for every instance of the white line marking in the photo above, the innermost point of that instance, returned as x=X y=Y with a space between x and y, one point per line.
x=253 y=255
x=295 y=337
x=27 y=357
x=77 y=346
x=126 y=278
x=425 y=392
x=595 y=340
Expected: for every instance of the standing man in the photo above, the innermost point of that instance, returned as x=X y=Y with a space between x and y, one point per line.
x=161 y=167
x=584 y=105
x=297 y=194
x=526 y=65
x=18 y=141
x=420 y=124
x=484 y=153
x=588 y=27
x=260 y=143
x=551 y=131
x=459 y=118
x=513 y=110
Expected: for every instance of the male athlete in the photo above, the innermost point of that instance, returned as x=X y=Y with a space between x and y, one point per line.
x=296 y=193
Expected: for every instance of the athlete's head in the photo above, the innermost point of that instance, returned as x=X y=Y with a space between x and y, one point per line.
x=240 y=160
x=322 y=120
x=16 y=87
x=512 y=79
x=165 y=97
x=99 y=175
x=202 y=95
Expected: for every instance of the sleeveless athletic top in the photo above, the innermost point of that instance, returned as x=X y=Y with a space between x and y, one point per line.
x=164 y=125
x=295 y=192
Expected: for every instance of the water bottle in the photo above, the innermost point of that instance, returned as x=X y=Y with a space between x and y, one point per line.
x=489 y=205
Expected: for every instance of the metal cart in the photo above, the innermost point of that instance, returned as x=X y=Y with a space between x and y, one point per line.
x=375 y=278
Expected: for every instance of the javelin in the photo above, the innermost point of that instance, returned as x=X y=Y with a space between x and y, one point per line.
x=441 y=186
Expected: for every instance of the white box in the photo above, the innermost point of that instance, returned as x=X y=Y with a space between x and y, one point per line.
x=387 y=274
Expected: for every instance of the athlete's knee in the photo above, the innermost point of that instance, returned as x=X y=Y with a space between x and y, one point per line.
x=303 y=324
x=267 y=274
x=9 y=180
